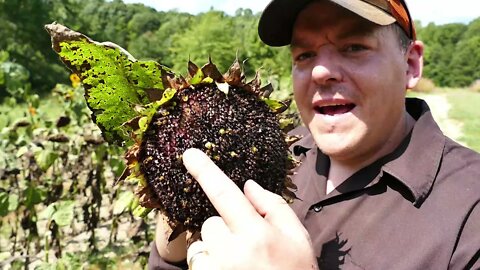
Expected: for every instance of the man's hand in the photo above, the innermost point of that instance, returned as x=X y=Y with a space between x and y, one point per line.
x=257 y=230
x=173 y=251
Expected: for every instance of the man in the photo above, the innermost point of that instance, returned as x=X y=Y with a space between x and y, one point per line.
x=380 y=186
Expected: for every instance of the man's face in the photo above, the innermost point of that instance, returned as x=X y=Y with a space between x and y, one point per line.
x=350 y=78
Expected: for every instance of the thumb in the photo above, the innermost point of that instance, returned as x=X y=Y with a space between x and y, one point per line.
x=274 y=209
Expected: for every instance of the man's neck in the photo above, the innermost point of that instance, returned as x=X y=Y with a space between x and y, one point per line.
x=340 y=171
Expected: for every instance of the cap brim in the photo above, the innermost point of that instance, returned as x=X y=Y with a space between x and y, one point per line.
x=276 y=23
x=367 y=11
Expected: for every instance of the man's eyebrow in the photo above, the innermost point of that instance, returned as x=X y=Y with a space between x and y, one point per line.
x=361 y=30
x=298 y=44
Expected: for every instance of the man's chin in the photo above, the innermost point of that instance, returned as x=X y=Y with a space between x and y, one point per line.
x=335 y=146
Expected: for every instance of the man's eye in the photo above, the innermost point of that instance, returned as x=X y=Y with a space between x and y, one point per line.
x=355 y=48
x=304 y=56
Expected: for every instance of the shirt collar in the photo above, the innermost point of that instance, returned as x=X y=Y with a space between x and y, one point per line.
x=414 y=163
x=416 y=160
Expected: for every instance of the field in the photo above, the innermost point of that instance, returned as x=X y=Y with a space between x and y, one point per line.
x=58 y=209
x=463 y=112
x=58 y=206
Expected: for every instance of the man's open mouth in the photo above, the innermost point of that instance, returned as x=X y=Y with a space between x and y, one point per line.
x=335 y=109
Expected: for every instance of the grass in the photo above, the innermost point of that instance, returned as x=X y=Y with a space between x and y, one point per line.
x=464 y=109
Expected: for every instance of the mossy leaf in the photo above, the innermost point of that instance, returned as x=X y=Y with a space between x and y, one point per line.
x=114 y=81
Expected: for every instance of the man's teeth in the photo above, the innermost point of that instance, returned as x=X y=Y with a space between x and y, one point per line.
x=336 y=104
x=337 y=108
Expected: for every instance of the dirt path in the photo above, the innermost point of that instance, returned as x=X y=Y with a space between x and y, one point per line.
x=439 y=106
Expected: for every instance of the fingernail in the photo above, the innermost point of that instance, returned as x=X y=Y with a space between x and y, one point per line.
x=191 y=154
x=255 y=184
x=195 y=161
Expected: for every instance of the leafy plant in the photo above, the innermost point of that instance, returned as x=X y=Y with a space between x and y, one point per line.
x=56 y=184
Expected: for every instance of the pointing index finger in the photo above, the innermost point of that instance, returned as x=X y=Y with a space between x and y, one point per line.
x=226 y=197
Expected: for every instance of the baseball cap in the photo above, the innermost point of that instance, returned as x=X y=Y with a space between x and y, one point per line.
x=277 y=20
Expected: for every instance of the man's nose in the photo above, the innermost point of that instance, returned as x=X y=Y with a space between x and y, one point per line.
x=326 y=69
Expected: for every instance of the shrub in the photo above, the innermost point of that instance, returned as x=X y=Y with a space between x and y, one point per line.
x=424 y=85
x=475 y=86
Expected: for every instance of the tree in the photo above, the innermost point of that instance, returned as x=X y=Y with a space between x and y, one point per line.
x=440 y=42
x=156 y=44
x=465 y=60
x=27 y=43
x=209 y=34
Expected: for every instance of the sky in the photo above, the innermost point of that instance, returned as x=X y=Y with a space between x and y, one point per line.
x=437 y=11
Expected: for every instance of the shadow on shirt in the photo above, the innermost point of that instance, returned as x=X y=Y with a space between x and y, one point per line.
x=333 y=253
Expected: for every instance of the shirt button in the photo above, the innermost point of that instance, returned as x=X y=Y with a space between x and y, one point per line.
x=317 y=208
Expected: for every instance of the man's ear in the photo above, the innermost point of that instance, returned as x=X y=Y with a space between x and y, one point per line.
x=415 y=63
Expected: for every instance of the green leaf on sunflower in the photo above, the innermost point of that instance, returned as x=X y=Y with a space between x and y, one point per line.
x=197 y=78
x=136 y=178
x=273 y=104
x=207 y=80
x=149 y=110
x=143 y=123
x=141 y=211
x=168 y=94
x=114 y=81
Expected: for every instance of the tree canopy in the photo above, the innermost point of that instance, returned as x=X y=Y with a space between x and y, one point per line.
x=452 y=51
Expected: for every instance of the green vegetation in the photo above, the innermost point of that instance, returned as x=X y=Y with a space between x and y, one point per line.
x=58 y=206
x=465 y=110
x=172 y=38
x=452 y=53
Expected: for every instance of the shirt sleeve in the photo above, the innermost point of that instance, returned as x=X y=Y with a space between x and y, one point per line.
x=155 y=262
x=467 y=251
